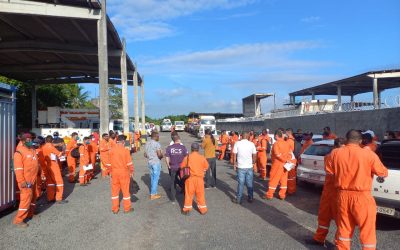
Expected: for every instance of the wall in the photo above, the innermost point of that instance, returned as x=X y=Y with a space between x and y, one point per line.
x=377 y=120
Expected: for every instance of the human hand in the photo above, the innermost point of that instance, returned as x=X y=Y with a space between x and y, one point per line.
x=24 y=184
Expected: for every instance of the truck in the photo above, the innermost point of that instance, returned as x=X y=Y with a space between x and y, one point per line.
x=206 y=122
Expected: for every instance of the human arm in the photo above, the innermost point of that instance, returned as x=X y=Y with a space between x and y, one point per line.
x=184 y=162
x=129 y=163
x=235 y=151
x=378 y=168
x=19 y=169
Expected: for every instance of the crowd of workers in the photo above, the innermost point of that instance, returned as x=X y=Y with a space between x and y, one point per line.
x=346 y=196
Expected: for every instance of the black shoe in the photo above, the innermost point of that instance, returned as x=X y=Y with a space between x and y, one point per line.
x=313 y=242
x=62 y=202
x=250 y=200
x=115 y=212
x=234 y=200
x=83 y=185
x=50 y=202
x=185 y=213
x=129 y=211
x=207 y=187
x=94 y=178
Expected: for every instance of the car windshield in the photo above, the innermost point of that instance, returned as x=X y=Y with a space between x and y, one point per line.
x=318 y=150
x=178 y=123
x=207 y=122
x=118 y=126
x=167 y=124
x=390 y=156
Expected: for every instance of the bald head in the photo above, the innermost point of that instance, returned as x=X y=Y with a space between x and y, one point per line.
x=354 y=136
x=246 y=135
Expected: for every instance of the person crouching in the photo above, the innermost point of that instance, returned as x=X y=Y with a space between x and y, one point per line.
x=194 y=184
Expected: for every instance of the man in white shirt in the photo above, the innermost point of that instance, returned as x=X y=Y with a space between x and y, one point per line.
x=244 y=156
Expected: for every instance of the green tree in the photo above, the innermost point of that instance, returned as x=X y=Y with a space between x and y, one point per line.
x=115 y=101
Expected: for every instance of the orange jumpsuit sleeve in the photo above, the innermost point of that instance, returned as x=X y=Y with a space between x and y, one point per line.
x=129 y=163
x=103 y=147
x=263 y=145
x=377 y=167
x=19 y=167
x=279 y=153
x=55 y=151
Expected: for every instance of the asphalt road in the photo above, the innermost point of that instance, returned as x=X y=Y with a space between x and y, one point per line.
x=87 y=222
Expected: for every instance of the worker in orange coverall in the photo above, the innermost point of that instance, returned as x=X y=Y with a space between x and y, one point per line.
x=292 y=173
x=328 y=135
x=353 y=168
x=262 y=158
x=194 y=185
x=84 y=161
x=234 y=139
x=328 y=202
x=55 y=182
x=121 y=170
x=71 y=161
x=93 y=150
x=224 y=139
x=255 y=142
x=105 y=148
x=281 y=154
x=26 y=167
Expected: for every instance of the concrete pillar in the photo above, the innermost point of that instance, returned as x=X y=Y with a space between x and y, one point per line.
x=312 y=96
x=103 y=69
x=142 y=104
x=292 y=100
x=34 y=106
x=124 y=83
x=339 y=97
x=375 y=93
x=380 y=99
x=352 y=98
x=136 y=98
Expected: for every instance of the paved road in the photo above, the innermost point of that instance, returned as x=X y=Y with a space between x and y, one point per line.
x=87 y=222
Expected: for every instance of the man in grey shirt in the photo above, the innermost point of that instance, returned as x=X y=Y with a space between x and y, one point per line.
x=154 y=155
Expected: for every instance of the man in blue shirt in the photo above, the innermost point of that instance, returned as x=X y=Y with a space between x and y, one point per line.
x=174 y=155
x=154 y=155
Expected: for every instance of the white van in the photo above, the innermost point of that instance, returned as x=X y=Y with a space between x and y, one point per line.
x=179 y=126
x=387 y=190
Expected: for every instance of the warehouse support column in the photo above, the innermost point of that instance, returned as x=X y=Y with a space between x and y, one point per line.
x=34 y=106
x=375 y=93
x=103 y=69
x=339 y=97
x=292 y=100
x=142 y=104
x=136 y=98
x=312 y=95
x=379 y=99
x=124 y=83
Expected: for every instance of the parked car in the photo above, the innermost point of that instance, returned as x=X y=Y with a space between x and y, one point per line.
x=179 y=126
x=166 y=126
x=311 y=166
x=387 y=190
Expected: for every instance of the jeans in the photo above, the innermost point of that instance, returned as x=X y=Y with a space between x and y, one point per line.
x=212 y=170
x=155 y=170
x=174 y=174
x=244 y=175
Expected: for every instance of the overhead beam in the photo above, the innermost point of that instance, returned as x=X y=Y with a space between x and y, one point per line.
x=56 y=67
x=53 y=47
x=49 y=29
x=18 y=28
x=385 y=75
x=47 y=9
x=93 y=80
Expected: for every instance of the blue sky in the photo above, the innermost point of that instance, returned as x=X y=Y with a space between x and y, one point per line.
x=206 y=55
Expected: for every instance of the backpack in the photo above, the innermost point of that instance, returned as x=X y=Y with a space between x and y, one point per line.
x=75 y=153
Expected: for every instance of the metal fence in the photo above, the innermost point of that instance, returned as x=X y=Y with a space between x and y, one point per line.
x=7 y=145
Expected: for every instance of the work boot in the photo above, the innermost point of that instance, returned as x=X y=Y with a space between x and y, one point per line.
x=282 y=198
x=187 y=213
x=250 y=200
x=22 y=225
x=266 y=198
x=61 y=202
x=115 y=212
x=83 y=185
x=129 y=211
x=313 y=242
x=155 y=196
x=235 y=200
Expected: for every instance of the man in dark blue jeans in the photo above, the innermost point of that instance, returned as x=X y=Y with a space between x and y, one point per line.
x=244 y=156
x=173 y=156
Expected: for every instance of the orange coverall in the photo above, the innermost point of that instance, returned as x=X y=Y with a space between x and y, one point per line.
x=262 y=158
x=292 y=173
x=93 y=150
x=17 y=191
x=255 y=167
x=55 y=182
x=353 y=168
x=194 y=185
x=71 y=161
x=372 y=146
x=121 y=169
x=84 y=160
x=280 y=155
x=234 y=139
x=26 y=167
x=105 y=147
x=224 y=139
x=41 y=173
x=328 y=203
x=305 y=145
x=331 y=136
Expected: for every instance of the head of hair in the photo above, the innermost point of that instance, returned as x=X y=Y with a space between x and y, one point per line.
x=176 y=138
x=366 y=138
x=353 y=136
x=290 y=130
x=121 y=138
x=338 y=142
x=49 y=138
x=391 y=135
x=154 y=134
x=104 y=135
x=91 y=136
x=279 y=133
x=86 y=138
x=74 y=134
x=327 y=129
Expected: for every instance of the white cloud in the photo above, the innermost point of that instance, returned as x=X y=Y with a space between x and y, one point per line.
x=148 y=19
x=311 y=19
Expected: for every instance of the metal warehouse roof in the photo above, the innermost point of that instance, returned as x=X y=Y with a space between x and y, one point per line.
x=355 y=85
x=56 y=42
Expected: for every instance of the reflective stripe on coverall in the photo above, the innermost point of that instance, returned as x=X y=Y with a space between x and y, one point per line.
x=55 y=182
x=262 y=158
x=84 y=160
x=105 y=147
x=224 y=139
x=293 y=172
x=71 y=161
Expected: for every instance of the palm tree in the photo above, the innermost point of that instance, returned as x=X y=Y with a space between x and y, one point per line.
x=79 y=97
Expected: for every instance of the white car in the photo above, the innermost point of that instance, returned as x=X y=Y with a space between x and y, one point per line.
x=179 y=126
x=166 y=126
x=386 y=191
x=311 y=166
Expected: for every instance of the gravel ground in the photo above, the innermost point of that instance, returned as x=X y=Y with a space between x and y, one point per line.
x=87 y=222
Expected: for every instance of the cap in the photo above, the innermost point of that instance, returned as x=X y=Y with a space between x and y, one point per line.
x=369 y=132
x=56 y=133
x=195 y=146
